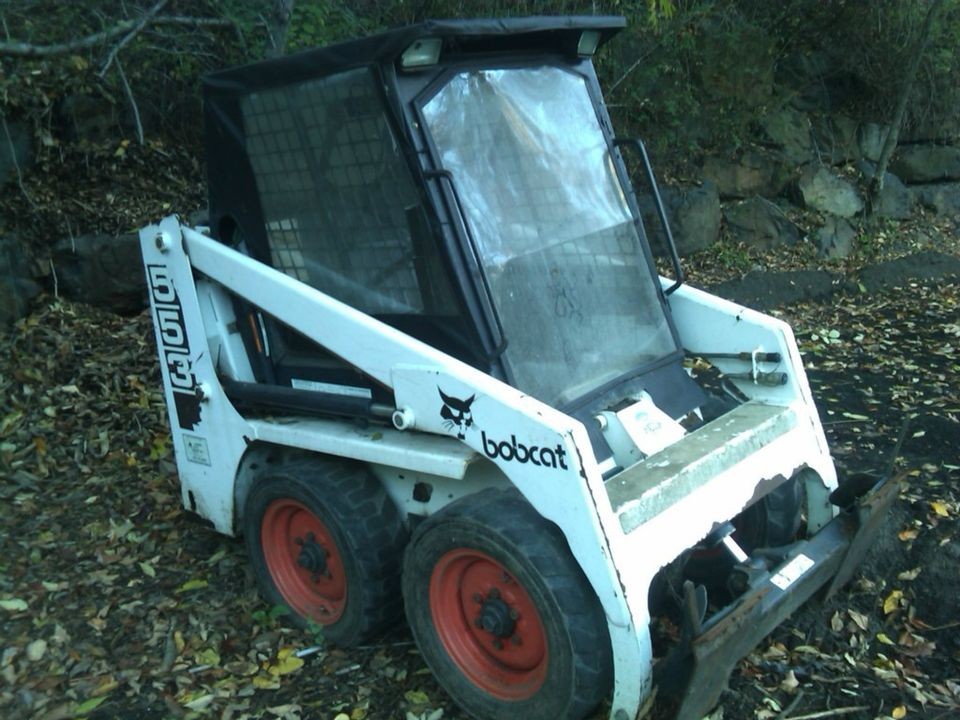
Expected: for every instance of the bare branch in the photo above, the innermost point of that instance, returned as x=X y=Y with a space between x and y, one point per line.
x=192 y=21
x=16 y=164
x=907 y=83
x=133 y=102
x=130 y=36
x=200 y=22
x=22 y=49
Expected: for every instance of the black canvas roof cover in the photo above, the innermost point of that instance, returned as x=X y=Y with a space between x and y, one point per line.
x=540 y=34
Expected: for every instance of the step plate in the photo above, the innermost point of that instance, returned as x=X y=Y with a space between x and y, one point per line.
x=646 y=489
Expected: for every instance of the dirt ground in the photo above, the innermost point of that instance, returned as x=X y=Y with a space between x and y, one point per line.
x=114 y=602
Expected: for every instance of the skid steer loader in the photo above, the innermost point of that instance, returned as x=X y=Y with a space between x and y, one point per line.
x=422 y=360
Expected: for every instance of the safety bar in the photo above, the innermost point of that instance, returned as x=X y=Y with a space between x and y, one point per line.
x=661 y=213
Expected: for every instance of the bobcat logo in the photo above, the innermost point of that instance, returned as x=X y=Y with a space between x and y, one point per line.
x=456 y=413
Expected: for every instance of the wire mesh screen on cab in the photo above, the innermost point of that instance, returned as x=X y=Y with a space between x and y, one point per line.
x=336 y=192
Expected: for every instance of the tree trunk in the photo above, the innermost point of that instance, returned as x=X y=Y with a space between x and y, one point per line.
x=909 y=79
x=278 y=26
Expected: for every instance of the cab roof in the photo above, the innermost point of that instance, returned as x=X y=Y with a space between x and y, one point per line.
x=528 y=35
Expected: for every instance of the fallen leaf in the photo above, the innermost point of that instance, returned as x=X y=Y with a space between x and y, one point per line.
x=36 y=650
x=195 y=584
x=287 y=712
x=207 y=656
x=88 y=706
x=859 y=619
x=790 y=682
x=417 y=697
x=940 y=508
x=287 y=662
x=241 y=667
x=201 y=702
x=13 y=604
x=900 y=711
x=266 y=682
x=892 y=602
x=909 y=574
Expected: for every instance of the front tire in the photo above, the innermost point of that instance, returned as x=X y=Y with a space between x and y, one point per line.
x=325 y=541
x=502 y=613
x=772 y=521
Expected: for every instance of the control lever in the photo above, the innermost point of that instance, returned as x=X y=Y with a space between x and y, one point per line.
x=770 y=379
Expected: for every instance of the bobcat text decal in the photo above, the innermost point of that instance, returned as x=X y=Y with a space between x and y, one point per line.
x=174 y=346
x=456 y=413
x=518 y=452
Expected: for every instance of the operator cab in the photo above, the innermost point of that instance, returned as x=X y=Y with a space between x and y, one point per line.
x=459 y=181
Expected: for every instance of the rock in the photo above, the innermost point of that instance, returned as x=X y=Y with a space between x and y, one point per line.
x=928 y=265
x=926 y=163
x=824 y=191
x=102 y=270
x=88 y=117
x=753 y=173
x=870 y=139
x=835 y=239
x=944 y=198
x=944 y=129
x=22 y=155
x=836 y=138
x=806 y=75
x=17 y=288
x=763 y=290
x=693 y=214
x=760 y=223
x=790 y=129
x=896 y=200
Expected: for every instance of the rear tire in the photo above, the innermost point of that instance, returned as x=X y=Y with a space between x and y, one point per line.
x=325 y=541
x=502 y=613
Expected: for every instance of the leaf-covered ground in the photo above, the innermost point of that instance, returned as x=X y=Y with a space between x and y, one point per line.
x=115 y=603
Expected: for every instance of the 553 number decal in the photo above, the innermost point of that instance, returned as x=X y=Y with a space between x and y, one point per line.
x=174 y=346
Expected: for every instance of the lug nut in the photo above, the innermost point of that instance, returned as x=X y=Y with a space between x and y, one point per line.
x=494 y=593
x=498 y=643
x=514 y=614
x=477 y=598
x=515 y=640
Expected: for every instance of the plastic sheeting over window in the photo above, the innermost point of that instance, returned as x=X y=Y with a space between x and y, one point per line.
x=553 y=230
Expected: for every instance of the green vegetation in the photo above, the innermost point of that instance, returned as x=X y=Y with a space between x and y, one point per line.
x=687 y=74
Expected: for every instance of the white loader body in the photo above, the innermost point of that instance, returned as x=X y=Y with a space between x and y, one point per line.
x=621 y=530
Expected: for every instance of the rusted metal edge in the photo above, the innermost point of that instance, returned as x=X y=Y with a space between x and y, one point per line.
x=832 y=555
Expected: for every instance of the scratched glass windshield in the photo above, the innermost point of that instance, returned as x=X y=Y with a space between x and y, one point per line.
x=552 y=227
